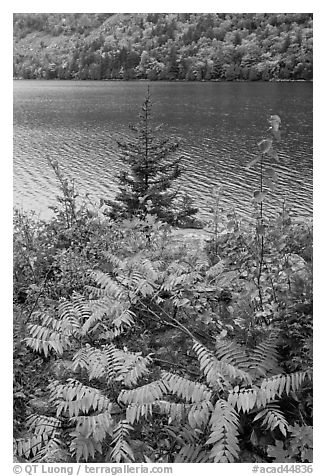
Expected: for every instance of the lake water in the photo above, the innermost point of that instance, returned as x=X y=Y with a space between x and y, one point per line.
x=218 y=126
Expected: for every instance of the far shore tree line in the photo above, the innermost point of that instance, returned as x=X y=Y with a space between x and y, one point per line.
x=190 y=47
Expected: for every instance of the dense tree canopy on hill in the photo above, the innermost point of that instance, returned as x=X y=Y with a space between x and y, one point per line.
x=157 y=46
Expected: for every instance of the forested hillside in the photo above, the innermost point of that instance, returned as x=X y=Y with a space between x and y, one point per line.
x=157 y=46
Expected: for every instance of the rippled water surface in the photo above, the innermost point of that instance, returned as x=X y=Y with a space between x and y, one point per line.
x=218 y=125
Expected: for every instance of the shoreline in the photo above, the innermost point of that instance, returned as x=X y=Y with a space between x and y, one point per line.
x=172 y=80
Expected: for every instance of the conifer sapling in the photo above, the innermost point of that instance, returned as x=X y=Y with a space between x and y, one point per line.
x=146 y=186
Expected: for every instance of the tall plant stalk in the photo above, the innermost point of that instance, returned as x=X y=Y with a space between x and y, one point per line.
x=261 y=235
x=266 y=148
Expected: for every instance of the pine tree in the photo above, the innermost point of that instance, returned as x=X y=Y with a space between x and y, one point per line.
x=146 y=186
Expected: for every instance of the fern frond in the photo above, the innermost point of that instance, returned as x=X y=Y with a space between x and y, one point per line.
x=136 y=274
x=43 y=430
x=123 y=319
x=174 y=281
x=30 y=446
x=51 y=322
x=272 y=418
x=105 y=362
x=224 y=435
x=145 y=394
x=134 y=366
x=111 y=363
x=121 y=450
x=191 y=454
x=81 y=305
x=114 y=363
x=82 y=447
x=95 y=426
x=55 y=334
x=140 y=401
x=44 y=339
x=216 y=371
x=176 y=412
x=183 y=434
x=136 y=411
x=276 y=385
x=106 y=313
x=39 y=424
x=74 y=397
x=147 y=268
x=51 y=452
x=72 y=314
x=99 y=308
x=114 y=260
x=232 y=353
x=199 y=414
x=110 y=335
x=209 y=366
x=186 y=389
x=90 y=359
x=139 y=284
x=245 y=399
x=263 y=359
x=109 y=287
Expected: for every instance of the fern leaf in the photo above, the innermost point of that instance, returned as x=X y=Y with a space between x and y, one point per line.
x=95 y=426
x=263 y=359
x=140 y=401
x=109 y=287
x=114 y=361
x=74 y=397
x=121 y=450
x=224 y=435
x=111 y=363
x=136 y=411
x=91 y=359
x=108 y=312
x=176 y=412
x=114 y=260
x=51 y=452
x=134 y=367
x=186 y=389
x=98 y=308
x=98 y=362
x=81 y=305
x=124 y=319
x=82 y=447
x=71 y=314
x=43 y=340
x=276 y=385
x=232 y=353
x=272 y=418
x=244 y=399
x=145 y=394
x=184 y=435
x=40 y=424
x=30 y=446
x=191 y=454
x=199 y=414
x=55 y=334
x=217 y=372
